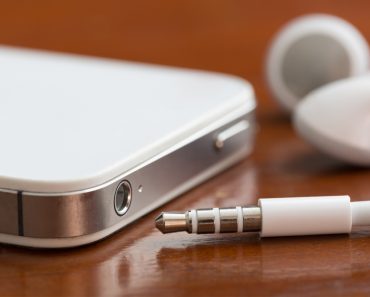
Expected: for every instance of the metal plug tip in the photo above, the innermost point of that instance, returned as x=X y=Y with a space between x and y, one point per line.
x=168 y=222
x=159 y=223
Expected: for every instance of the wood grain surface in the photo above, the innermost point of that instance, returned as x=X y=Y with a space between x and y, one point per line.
x=226 y=36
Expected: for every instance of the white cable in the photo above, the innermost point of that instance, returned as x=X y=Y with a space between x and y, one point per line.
x=306 y=216
x=360 y=213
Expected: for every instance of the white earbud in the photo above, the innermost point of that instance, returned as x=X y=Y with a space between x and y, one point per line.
x=312 y=51
x=336 y=119
x=313 y=69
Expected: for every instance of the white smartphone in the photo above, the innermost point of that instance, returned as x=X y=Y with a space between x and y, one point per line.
x=89 y=145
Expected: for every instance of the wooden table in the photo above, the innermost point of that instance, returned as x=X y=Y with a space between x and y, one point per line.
x=227 y=36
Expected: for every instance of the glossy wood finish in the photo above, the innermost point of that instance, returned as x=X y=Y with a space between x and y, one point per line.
x=228 y=36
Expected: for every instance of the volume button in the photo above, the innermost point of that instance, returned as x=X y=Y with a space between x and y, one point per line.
x=230 y=132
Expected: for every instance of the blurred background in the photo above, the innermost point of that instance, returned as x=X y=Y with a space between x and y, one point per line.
x=226 y=36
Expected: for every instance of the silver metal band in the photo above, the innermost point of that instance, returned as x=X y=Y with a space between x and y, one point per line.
x=223 y=220
x=43 y=215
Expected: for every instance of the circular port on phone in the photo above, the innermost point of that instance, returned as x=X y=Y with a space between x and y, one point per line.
x=122 y=198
